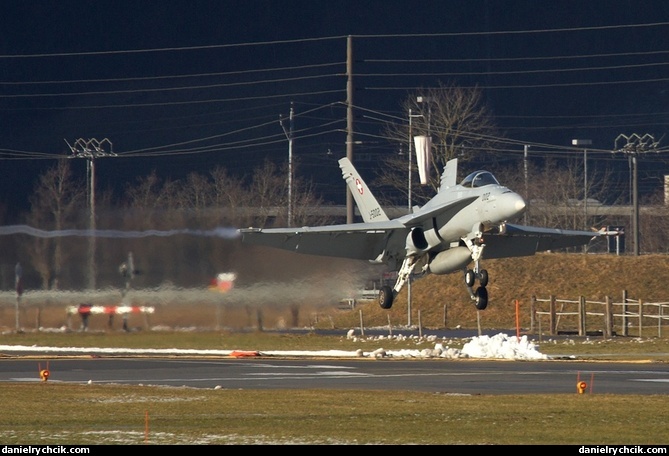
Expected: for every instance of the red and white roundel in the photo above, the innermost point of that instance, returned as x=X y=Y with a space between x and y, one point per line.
x=358 y=184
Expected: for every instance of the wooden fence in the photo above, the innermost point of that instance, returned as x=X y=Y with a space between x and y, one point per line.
x=627 y=317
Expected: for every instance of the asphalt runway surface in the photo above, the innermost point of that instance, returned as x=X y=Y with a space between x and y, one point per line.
x=434 y=375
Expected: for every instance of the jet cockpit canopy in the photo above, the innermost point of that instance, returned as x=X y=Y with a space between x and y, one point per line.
x=479 y=179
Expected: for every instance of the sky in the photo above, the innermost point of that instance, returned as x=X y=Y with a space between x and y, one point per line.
x=185 y=86
x=499 y=346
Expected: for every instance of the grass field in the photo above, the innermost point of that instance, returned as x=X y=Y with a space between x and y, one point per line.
x=57 y=413
x=46 y=413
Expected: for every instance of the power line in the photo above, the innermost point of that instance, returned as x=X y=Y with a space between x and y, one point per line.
x=331 y=38
x=253 y=71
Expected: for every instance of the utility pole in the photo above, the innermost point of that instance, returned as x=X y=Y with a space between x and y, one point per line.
x=289 y=135
x=91 y=149
x=409 y=212
x=411 y=116
x=18 y=272
x=410 y=203
x=349 y=121
x=527 y=187
x=584 y=142
x=635 y=145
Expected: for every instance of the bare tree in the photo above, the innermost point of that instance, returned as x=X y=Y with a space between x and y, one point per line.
x=305 y=201
x=150 y=196
x=552 y=192
x=55 y=201
x=228 y=192
x=653 y=229
x=269 y=193
x=194 y=193
x=145 y=193
x=461 y=125
x=555 y=191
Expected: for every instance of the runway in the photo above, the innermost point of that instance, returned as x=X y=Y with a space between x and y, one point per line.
x=434 y=375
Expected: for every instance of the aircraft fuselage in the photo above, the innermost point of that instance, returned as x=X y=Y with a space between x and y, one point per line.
x=496 y=204
x=493 y=204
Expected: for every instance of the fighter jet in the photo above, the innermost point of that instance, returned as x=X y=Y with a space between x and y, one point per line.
x=463 y=224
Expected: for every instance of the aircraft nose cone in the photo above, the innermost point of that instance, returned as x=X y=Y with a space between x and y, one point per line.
x=520 y=204
x=513 y=203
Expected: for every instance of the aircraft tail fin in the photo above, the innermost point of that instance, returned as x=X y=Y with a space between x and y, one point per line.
x=369 y=207
x=450 y=175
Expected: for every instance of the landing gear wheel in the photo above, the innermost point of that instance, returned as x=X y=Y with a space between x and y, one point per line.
x=386 y=297
x=483 y=277
x=481 y=298
x=470 y=278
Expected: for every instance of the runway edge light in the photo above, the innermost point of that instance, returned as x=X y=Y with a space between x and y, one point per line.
x=44 y=373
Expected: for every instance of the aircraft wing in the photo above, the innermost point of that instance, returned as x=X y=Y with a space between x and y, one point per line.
x=442 y=212
x=360 y=241
x=519 y=240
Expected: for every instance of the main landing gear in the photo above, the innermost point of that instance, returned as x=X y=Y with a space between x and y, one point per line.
x=386 y=297
x=480 y=296
x=476 y=245
x=386 y=293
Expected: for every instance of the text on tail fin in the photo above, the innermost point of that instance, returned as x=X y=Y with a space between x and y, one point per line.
x=369 y=207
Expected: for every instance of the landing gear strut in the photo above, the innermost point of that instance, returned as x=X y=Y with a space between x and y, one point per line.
x=387 y=294
x=475 y=245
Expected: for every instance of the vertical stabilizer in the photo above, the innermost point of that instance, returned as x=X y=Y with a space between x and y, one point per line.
x=369 y=207
x=450 y=175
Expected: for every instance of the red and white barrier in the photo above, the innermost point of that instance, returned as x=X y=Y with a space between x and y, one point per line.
x=85 y=309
